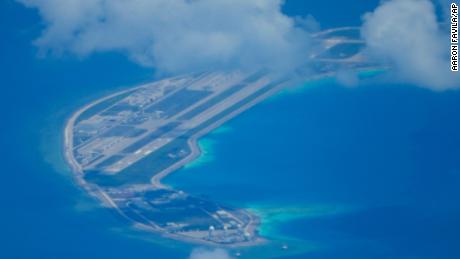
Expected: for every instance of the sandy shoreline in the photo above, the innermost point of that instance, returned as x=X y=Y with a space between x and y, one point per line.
x=101 y=195
x=98 y=193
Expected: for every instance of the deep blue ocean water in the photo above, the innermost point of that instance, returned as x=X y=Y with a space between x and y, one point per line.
x=371 y=172
x=368 y=172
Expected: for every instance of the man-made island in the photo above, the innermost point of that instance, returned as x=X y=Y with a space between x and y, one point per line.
x=121 y=146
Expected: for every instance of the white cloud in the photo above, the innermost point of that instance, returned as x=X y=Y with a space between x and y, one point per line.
x=175 y=35
x=209 y=254
x=406 y=34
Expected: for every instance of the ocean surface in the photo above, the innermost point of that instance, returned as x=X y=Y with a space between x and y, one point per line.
x=369 y=172
x=334 y=172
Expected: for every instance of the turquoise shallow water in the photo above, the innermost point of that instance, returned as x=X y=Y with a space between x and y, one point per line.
x=369 y=172
x=334 y=172
x=44 y=214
